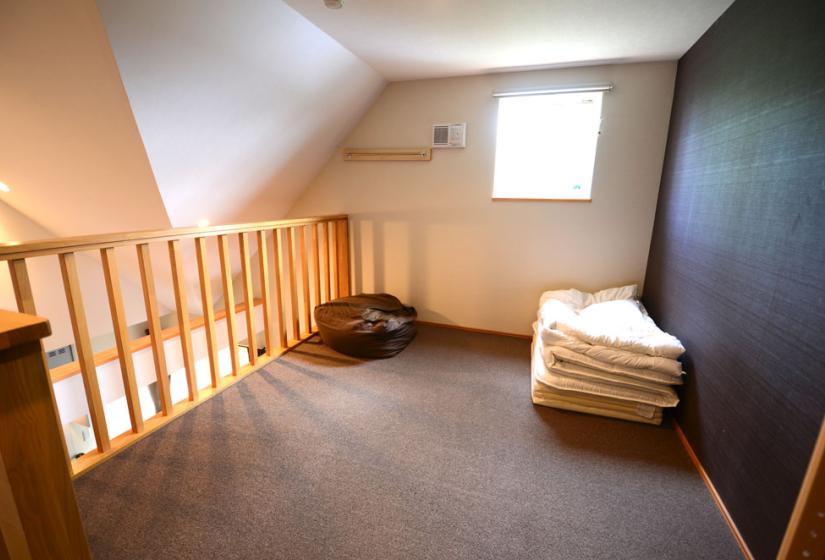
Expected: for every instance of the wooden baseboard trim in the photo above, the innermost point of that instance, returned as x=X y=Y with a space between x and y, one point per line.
x=801 y=536
x=473 y=330
x=717 y=499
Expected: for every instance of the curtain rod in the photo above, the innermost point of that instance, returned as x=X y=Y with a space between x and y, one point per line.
x=552 y=90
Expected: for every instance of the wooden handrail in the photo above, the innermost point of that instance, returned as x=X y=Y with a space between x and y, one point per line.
x=308 y=264
x=15 y=250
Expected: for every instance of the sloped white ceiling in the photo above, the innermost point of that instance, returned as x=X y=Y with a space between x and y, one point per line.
x=437 y=38
x=239 y=103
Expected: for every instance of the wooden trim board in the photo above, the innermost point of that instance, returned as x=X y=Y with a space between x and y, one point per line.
x=802 y=537
x=387 y=154
x=473 y=329
x=717 y=499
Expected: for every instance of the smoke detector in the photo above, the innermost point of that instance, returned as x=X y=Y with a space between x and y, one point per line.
x=334 y=4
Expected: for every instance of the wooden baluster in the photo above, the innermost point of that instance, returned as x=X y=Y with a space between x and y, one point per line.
x=229 y=302
x=303 y=253
x=278 y=248
x=316 y=274
x=263 y=271
x=85 y=355
x=343 y=257
x=292 y=291
x=153 y=319
x=184 y=327
x=21 y=286
x=324 y=237
x=124 y=351
x=333 y=247
x=208 y=311
x=249 y=299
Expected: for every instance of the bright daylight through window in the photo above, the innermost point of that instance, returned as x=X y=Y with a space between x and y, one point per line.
x=546 y=146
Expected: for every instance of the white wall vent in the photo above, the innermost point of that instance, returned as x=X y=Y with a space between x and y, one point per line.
x=450 y=135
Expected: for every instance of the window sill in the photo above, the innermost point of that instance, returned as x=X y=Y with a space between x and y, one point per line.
x=503 y=199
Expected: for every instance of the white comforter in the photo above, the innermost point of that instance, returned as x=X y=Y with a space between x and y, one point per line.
x=609 y=319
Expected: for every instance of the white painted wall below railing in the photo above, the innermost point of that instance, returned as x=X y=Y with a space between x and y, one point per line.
x=71 y=399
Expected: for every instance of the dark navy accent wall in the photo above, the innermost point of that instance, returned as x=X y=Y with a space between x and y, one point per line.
x=737 y=262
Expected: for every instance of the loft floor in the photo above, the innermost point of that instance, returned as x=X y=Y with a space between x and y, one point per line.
x=436 y=453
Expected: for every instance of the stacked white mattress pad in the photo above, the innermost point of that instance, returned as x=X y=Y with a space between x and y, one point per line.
x=604 y=346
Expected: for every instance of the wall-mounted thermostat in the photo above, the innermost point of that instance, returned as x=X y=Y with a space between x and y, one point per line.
x=450 y=135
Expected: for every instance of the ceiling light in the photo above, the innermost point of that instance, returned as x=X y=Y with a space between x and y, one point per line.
x=334 y=4
x=203 y=222
x=4 y=187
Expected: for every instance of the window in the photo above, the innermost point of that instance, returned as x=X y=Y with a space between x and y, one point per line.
x=546 y=145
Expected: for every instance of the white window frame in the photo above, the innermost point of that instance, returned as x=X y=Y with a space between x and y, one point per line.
x=509 y=169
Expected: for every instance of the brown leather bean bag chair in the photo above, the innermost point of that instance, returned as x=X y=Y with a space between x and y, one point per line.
x=366 y=325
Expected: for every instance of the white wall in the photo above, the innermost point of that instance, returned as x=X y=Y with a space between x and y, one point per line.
x=71 y=153
x=430 y=233
x=69 y=146
x=71 y=399
x=47 y=284
x=239 y=103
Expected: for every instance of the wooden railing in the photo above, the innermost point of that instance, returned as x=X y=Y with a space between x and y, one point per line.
x=300 y=263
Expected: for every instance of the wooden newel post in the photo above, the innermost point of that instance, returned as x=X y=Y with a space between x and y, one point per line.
x=39 y=517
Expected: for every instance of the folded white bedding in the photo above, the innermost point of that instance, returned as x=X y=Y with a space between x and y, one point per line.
x=561 y=354
x=608 y=384
x=563 y=379
x=594 y=404
x=613 y=359
x=607 y=318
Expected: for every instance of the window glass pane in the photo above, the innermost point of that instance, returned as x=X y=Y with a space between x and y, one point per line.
x=546 y=145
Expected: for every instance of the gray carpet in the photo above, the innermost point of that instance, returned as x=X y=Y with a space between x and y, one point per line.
x=436 y=453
